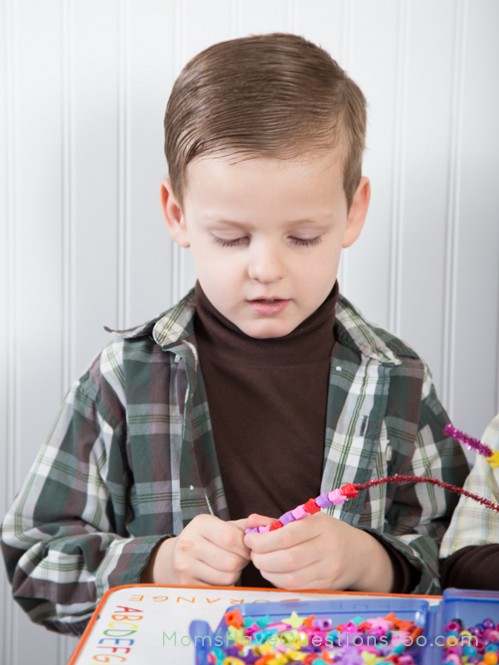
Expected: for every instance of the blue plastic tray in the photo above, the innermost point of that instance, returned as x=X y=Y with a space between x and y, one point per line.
x=416 y=610
x=471 y=607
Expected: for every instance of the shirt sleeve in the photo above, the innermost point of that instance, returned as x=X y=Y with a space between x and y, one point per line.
x=418 y=514
x=470 y=549
x=405 y=575
x=64 y=539
x=474 y=567
x=472 y=524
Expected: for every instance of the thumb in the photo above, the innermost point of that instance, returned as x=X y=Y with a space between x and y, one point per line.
x=255 y=520
x=252 y=521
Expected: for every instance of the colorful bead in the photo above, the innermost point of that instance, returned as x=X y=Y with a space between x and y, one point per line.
x=349 y=490
x=276 y=525
x=299 y=512
x=323 y=500
x=234 y=618
x=488 y=623
x=323 y=624
x=336 y=498
x=314 y=640
x=476 y=645
x=493 y=460
x=311 y=507
x=287 y=518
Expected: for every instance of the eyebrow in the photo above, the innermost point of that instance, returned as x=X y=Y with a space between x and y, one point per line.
x=316 y=223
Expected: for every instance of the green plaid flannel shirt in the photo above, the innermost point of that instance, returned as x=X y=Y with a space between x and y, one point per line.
x=131 y=459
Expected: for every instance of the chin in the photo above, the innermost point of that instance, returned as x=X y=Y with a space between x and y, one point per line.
x=267 y=330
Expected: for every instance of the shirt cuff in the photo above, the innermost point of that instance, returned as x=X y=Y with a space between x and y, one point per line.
x=406 y=576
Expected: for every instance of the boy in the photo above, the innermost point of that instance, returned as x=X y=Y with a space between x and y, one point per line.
x=260 y=389
x=470 y=548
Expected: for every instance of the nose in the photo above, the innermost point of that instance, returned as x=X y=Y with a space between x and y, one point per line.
x=265 y=264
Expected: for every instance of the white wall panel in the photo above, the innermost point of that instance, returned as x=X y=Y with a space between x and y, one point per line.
x=37 y=225
x=475 y=323
x=152 y=69
x=429 y=85
x=318 y=20
x=261 y=16
x=32 y=267
x=6 y=330
x=83 y=89
x=377 y=33
x=96 y=117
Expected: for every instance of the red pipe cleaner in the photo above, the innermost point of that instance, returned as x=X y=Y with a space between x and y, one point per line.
x=399 y=478
x=350 y=490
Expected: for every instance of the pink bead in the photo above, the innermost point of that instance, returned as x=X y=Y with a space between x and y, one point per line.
x=453 y=658
x=381 y=624
x=263 y=529
x=400 y=637
x=299 y=512
x=350 y=627
x=405 y=660
x=336 y=498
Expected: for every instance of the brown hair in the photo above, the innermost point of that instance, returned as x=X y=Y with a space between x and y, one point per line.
x=275 y=95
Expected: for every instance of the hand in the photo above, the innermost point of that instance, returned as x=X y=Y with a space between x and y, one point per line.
x=209 y=551
x=321 y=552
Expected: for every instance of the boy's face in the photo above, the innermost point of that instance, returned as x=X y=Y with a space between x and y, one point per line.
x=265 y=235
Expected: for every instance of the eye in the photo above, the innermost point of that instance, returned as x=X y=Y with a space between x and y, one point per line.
x=306 y=242
x=232 y=242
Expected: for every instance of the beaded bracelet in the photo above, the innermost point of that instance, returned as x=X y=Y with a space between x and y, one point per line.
x=350 y=490
x=337 y=497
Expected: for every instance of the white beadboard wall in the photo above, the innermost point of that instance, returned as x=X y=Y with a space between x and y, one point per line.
x=82 y=240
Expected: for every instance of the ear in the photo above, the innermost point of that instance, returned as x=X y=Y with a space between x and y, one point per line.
x=358 y=212
x=172 y=211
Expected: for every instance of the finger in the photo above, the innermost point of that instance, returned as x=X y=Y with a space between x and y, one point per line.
x=189 y=555
x=288 y=560
x=204 y=574
x=283 y=538
x=294 y=533
x=226 y=536
x=221 y=554
x=255 y=520
x=304 y=579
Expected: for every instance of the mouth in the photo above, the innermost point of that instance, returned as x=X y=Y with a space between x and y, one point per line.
x=268 y=306
x=267 y=300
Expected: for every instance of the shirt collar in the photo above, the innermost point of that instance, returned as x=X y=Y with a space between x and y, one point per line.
x=353 y=331
x=169 y=328
x=176 y=325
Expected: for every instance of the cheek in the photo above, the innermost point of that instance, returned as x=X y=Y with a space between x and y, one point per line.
x=320 y=277
x=324 y=266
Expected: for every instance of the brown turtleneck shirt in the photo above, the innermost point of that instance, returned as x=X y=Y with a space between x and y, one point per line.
x=268 y=401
